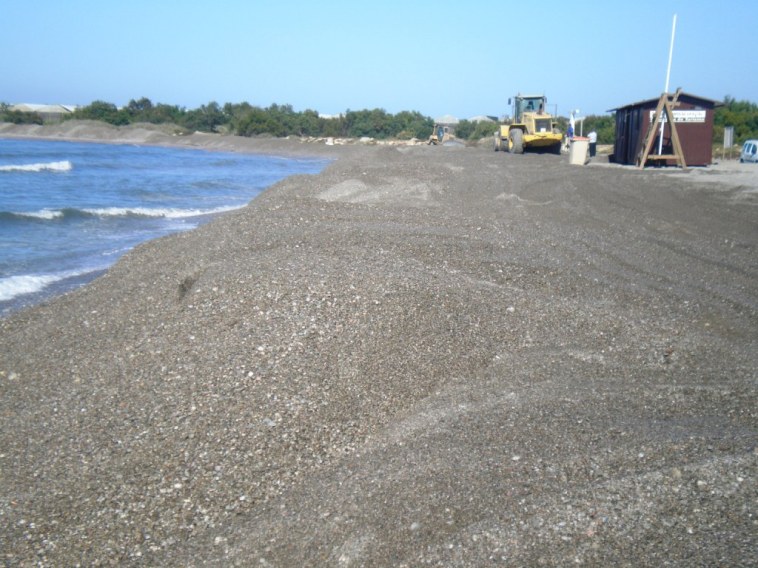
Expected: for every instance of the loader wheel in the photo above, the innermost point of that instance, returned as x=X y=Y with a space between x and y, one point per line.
x=516 y=141
x=497 y=143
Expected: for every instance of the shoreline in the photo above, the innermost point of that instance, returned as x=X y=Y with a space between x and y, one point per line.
x=145 y=135
x=434 y=355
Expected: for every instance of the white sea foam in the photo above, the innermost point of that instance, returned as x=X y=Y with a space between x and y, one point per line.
x=42 y=214
x=166 y=213
x=63 y=166
x=15 y=286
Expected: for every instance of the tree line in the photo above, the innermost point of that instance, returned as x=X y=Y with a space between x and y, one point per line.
x=244 y=119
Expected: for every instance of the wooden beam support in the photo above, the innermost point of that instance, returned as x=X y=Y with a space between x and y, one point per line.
x=665 y=105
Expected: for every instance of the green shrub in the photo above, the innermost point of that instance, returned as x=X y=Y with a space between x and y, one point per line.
x=20 y=117
x=742 y=115
x=103 y=111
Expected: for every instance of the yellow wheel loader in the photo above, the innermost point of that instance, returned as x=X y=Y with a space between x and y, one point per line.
x=440 y=135
x=530 y=128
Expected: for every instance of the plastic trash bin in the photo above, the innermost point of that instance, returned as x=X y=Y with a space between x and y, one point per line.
x=579 y=151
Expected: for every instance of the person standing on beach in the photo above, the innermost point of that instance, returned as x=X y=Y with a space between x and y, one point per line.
x=569 y=134
x=592 y=137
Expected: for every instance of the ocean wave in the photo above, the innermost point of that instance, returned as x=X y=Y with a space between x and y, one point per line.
x=104 y=212
x=63 y=166
x=43 y=214
x=166 y=213
x=14 y=286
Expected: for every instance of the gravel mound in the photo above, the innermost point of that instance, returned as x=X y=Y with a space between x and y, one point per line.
x=421 y=356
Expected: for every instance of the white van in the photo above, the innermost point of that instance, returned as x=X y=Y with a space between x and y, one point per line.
x=749 y=151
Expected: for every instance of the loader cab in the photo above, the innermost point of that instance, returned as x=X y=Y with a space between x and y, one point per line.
x=522 y=104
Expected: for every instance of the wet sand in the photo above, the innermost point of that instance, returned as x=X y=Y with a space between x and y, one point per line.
x=421 y=356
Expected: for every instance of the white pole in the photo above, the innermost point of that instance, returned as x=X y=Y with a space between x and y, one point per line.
x=671 y=53
x=668 y=76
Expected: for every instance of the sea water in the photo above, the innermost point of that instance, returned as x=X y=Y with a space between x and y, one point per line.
x=68 y=210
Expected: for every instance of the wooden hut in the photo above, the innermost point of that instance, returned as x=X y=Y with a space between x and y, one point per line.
x=693 y=117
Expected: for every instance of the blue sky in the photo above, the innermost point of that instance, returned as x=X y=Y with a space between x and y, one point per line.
x=435 y=57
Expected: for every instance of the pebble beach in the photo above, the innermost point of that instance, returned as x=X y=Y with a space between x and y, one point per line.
x=422 y=356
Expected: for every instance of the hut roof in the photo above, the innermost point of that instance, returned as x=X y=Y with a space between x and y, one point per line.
x=654 y=101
